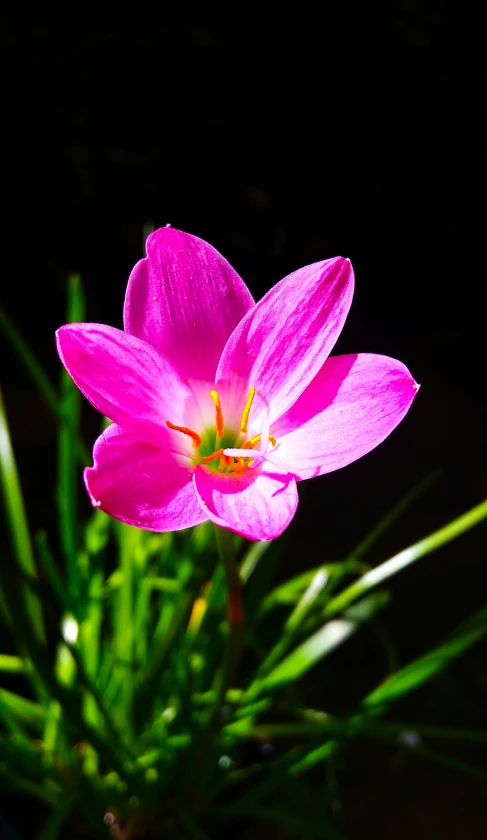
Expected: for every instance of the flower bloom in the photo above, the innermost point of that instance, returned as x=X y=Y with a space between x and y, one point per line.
x=220 y=404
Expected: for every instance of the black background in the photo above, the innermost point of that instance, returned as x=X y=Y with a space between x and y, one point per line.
x=359 y=132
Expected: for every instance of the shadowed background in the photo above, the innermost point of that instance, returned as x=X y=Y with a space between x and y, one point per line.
x=356 y=133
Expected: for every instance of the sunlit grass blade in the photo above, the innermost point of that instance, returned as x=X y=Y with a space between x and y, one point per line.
x=294 y=621
x=11 y=664
x=392 y=515
x=129 y=557
x=17 y=521
x=405 y=558
x=291 y=591
x=10 y=723
x=43 y=677
x=25 y=711
x=97 y=531
x=320 y=644
x=252 y=559
x=89 y=647
x=68 y=468
x=146 y=692
x=422 y=669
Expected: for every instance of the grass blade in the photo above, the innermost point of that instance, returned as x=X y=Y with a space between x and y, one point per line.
x=17 y=520
x=392 y=515
x=29 y=361
x=422 y=669
x=68 y=477
x=320 y=644
x=405 y=558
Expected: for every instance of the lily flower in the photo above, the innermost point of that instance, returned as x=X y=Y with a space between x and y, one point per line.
x=220 y=405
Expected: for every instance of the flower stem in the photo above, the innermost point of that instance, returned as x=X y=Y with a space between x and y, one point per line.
x=234 y=620
x=234 y=642
x=235 y=616
x=232 y=579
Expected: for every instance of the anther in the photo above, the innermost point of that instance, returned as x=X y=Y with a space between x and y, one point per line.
x=250 y=443
x=185 y=431
x=207 y=459
x=245 y=414
x=219 y=416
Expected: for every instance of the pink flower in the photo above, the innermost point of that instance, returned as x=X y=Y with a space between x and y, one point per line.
x=219 y=404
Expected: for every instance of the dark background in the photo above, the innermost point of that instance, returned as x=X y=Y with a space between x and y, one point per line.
x=359 y=132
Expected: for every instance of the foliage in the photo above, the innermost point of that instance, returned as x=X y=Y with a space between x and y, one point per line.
x=126 y=711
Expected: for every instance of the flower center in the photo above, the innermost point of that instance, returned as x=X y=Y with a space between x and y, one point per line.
x=225 y=450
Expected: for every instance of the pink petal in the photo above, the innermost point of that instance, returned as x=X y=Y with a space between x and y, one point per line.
x=281 y=344
x=124 y=378
x=349 y=408
x=257 y=505
x=185 y=299
x=141 y=484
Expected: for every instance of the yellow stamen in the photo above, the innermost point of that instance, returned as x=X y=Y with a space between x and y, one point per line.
x=207 y=459
x=245 y=414
x=250 y=443
x=219 y=416
x=184 y=429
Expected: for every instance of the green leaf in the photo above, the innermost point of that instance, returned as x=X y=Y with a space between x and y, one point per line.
x=422 y=669
x=29 y=360
x=252 y=559
x=68 y=455
x=58 y=585
x=17 y=521
x=405 y=558
x=292 y=590
x=37 y=374
x=11 y=664
x=25 y=711
x=320 y=644
x=295 y=620
x=392 y=515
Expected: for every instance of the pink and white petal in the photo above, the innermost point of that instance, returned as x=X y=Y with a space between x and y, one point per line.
x=141 y=484
x=258 y=505
x=125 y=379
x=281 y=344
x=349 y=408
x=185 y=299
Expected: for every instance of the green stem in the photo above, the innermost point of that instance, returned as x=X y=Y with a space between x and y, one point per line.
x=235 y=615
x=233 y=648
